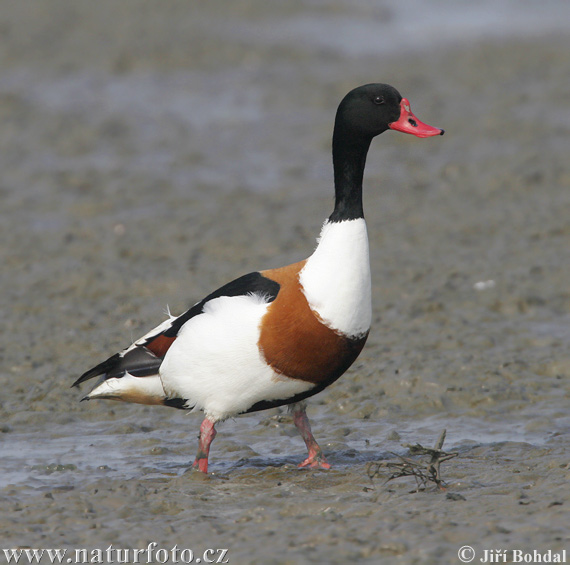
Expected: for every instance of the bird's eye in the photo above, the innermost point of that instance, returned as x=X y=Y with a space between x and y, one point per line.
x=379 y=100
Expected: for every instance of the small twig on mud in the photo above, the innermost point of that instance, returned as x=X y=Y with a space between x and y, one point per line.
x=421 y=469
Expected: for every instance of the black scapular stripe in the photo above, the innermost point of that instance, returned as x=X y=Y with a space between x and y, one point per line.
x=141 y=362
x=252 y=283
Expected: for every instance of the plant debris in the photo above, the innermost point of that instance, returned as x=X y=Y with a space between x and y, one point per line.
x=424 y=470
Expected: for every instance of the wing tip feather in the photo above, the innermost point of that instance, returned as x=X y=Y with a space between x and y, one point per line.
x=100 y=369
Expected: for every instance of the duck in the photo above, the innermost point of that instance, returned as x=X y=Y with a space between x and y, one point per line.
x=274 y=337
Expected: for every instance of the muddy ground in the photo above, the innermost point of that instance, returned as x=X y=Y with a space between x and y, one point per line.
x=150 y=153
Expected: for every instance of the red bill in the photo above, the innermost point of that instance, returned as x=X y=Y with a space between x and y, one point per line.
x=408 y=123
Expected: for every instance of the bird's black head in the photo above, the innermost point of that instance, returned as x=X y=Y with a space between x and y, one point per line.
x=369 y=110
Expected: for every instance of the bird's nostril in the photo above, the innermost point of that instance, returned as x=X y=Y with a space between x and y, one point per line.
x=413 y=122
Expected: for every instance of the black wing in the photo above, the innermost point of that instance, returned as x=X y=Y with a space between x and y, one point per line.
x=252 y=283
x=146 y=357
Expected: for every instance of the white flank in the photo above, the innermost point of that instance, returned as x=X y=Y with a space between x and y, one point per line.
x=215 y=361
x=336 y=277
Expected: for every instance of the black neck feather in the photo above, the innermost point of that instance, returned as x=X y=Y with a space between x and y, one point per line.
x=349 y=159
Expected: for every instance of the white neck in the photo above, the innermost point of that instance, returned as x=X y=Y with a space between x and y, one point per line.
x=336 y=277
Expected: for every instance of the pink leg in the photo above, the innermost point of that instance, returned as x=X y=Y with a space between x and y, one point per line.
x=207 y=435
x=316 y=458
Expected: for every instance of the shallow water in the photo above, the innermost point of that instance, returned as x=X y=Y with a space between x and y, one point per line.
x=149 y=157
x=73 y=453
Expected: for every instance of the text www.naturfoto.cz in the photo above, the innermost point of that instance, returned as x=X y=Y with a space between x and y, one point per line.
x=115 y=555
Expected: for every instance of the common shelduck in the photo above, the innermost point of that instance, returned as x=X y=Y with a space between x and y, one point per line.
x=273 y=337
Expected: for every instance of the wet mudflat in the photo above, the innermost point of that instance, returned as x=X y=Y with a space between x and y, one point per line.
x=151 y=155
